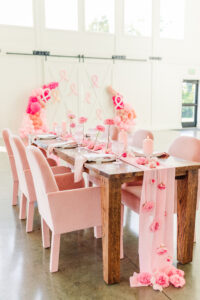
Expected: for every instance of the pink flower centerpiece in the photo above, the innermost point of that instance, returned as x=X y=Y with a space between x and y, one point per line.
x=71 y=117
x=99 y=129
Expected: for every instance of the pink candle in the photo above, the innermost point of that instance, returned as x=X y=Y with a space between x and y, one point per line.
x=148 y=146
x=63 y=128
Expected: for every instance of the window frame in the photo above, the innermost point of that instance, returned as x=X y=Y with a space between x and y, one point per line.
x=195 y=104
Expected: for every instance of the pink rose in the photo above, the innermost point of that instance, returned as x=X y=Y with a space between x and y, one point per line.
x=161 y=186
x=148 y=206
x=109 y=122
x=177 y=281
x=161 y=250
x=154 y=226
x=162 y=279
x=72 y=125
x=100 y=128
x=71 y=116
x=82 y=120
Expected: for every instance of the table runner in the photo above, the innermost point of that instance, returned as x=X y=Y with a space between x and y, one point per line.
x=156 y=229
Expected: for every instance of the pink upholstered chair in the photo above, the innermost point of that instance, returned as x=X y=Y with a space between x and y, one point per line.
x=6 y=134
x=69 y=209
x=26 y=181
x=184 y=147
x=138 y=136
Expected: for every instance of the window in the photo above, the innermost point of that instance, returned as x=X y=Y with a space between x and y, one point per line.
x=189 y=103
x=99 y=15
x=16 y=12
x=172 y=19
x=61 y=14
x=138 y=17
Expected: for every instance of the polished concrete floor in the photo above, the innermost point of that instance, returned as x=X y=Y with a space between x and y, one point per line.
x=24 y=264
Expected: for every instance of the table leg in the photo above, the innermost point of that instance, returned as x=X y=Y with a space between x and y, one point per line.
x=111 y=219
x=186 y=215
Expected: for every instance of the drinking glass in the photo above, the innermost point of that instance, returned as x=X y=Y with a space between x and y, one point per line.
x=118 y=148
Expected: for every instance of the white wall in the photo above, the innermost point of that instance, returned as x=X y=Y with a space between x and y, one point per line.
x=152 y=87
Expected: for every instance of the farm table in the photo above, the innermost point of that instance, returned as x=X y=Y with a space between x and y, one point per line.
x=111 y=176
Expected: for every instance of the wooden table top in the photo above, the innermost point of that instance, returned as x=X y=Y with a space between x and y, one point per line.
x=124 y=171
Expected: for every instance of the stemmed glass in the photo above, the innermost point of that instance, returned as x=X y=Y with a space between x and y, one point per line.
x=118 y=148
x=58 y=131
x=79 y=136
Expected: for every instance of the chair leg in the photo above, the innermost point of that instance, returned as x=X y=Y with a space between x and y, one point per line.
x=45 y=234
x=98 y=232
x=22 y=210
x=30 y=216
x=15 y=192
x=55 y=250
x=121 y=233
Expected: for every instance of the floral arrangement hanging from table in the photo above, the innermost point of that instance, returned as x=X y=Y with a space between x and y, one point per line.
x=34 y=120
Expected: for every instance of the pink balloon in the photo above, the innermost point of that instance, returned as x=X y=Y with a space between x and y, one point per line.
x=35 y=107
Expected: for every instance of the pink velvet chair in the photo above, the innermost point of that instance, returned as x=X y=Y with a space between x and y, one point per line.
x=183 y=147
x=64 y=206
x=138 y=136
x=25 y=180
x=5 y=134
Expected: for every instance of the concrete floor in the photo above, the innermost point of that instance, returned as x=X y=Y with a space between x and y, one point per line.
x=24 y=264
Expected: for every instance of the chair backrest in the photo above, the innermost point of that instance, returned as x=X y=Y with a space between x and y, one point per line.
x=21 y=162
x=6 y=133
x=43 y=178
x=138 y=136
x=186 y=147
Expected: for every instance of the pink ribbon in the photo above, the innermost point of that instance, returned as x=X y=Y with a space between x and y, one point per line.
x=73 y=89
x=99 y=113
x=63 y=76
x=87 y=98
x=95 y=79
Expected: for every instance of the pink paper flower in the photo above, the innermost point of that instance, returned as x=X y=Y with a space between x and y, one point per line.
x=82 y=120
x=177 y=281
x=124 y=154
x=162 y=279
x=71 y=116
x=100 y=128
x=161 y=186
x=153 y=181
x=98 y=147
x=141 y=161
x=161 y=250
x=171 y=270
x=148 y=206
x=154 y=226
x=142 y=279
x=109 y=122
x=72 y=125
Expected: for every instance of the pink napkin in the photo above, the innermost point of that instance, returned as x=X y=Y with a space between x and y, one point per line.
x=78 y=167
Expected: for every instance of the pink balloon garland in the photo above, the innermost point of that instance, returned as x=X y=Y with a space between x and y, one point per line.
x=34 y=120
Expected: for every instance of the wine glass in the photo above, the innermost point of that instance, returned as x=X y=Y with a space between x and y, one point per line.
x=118 y=148
x=79 y=136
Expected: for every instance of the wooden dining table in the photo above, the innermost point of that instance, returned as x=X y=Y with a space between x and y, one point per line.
x=111 y=176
